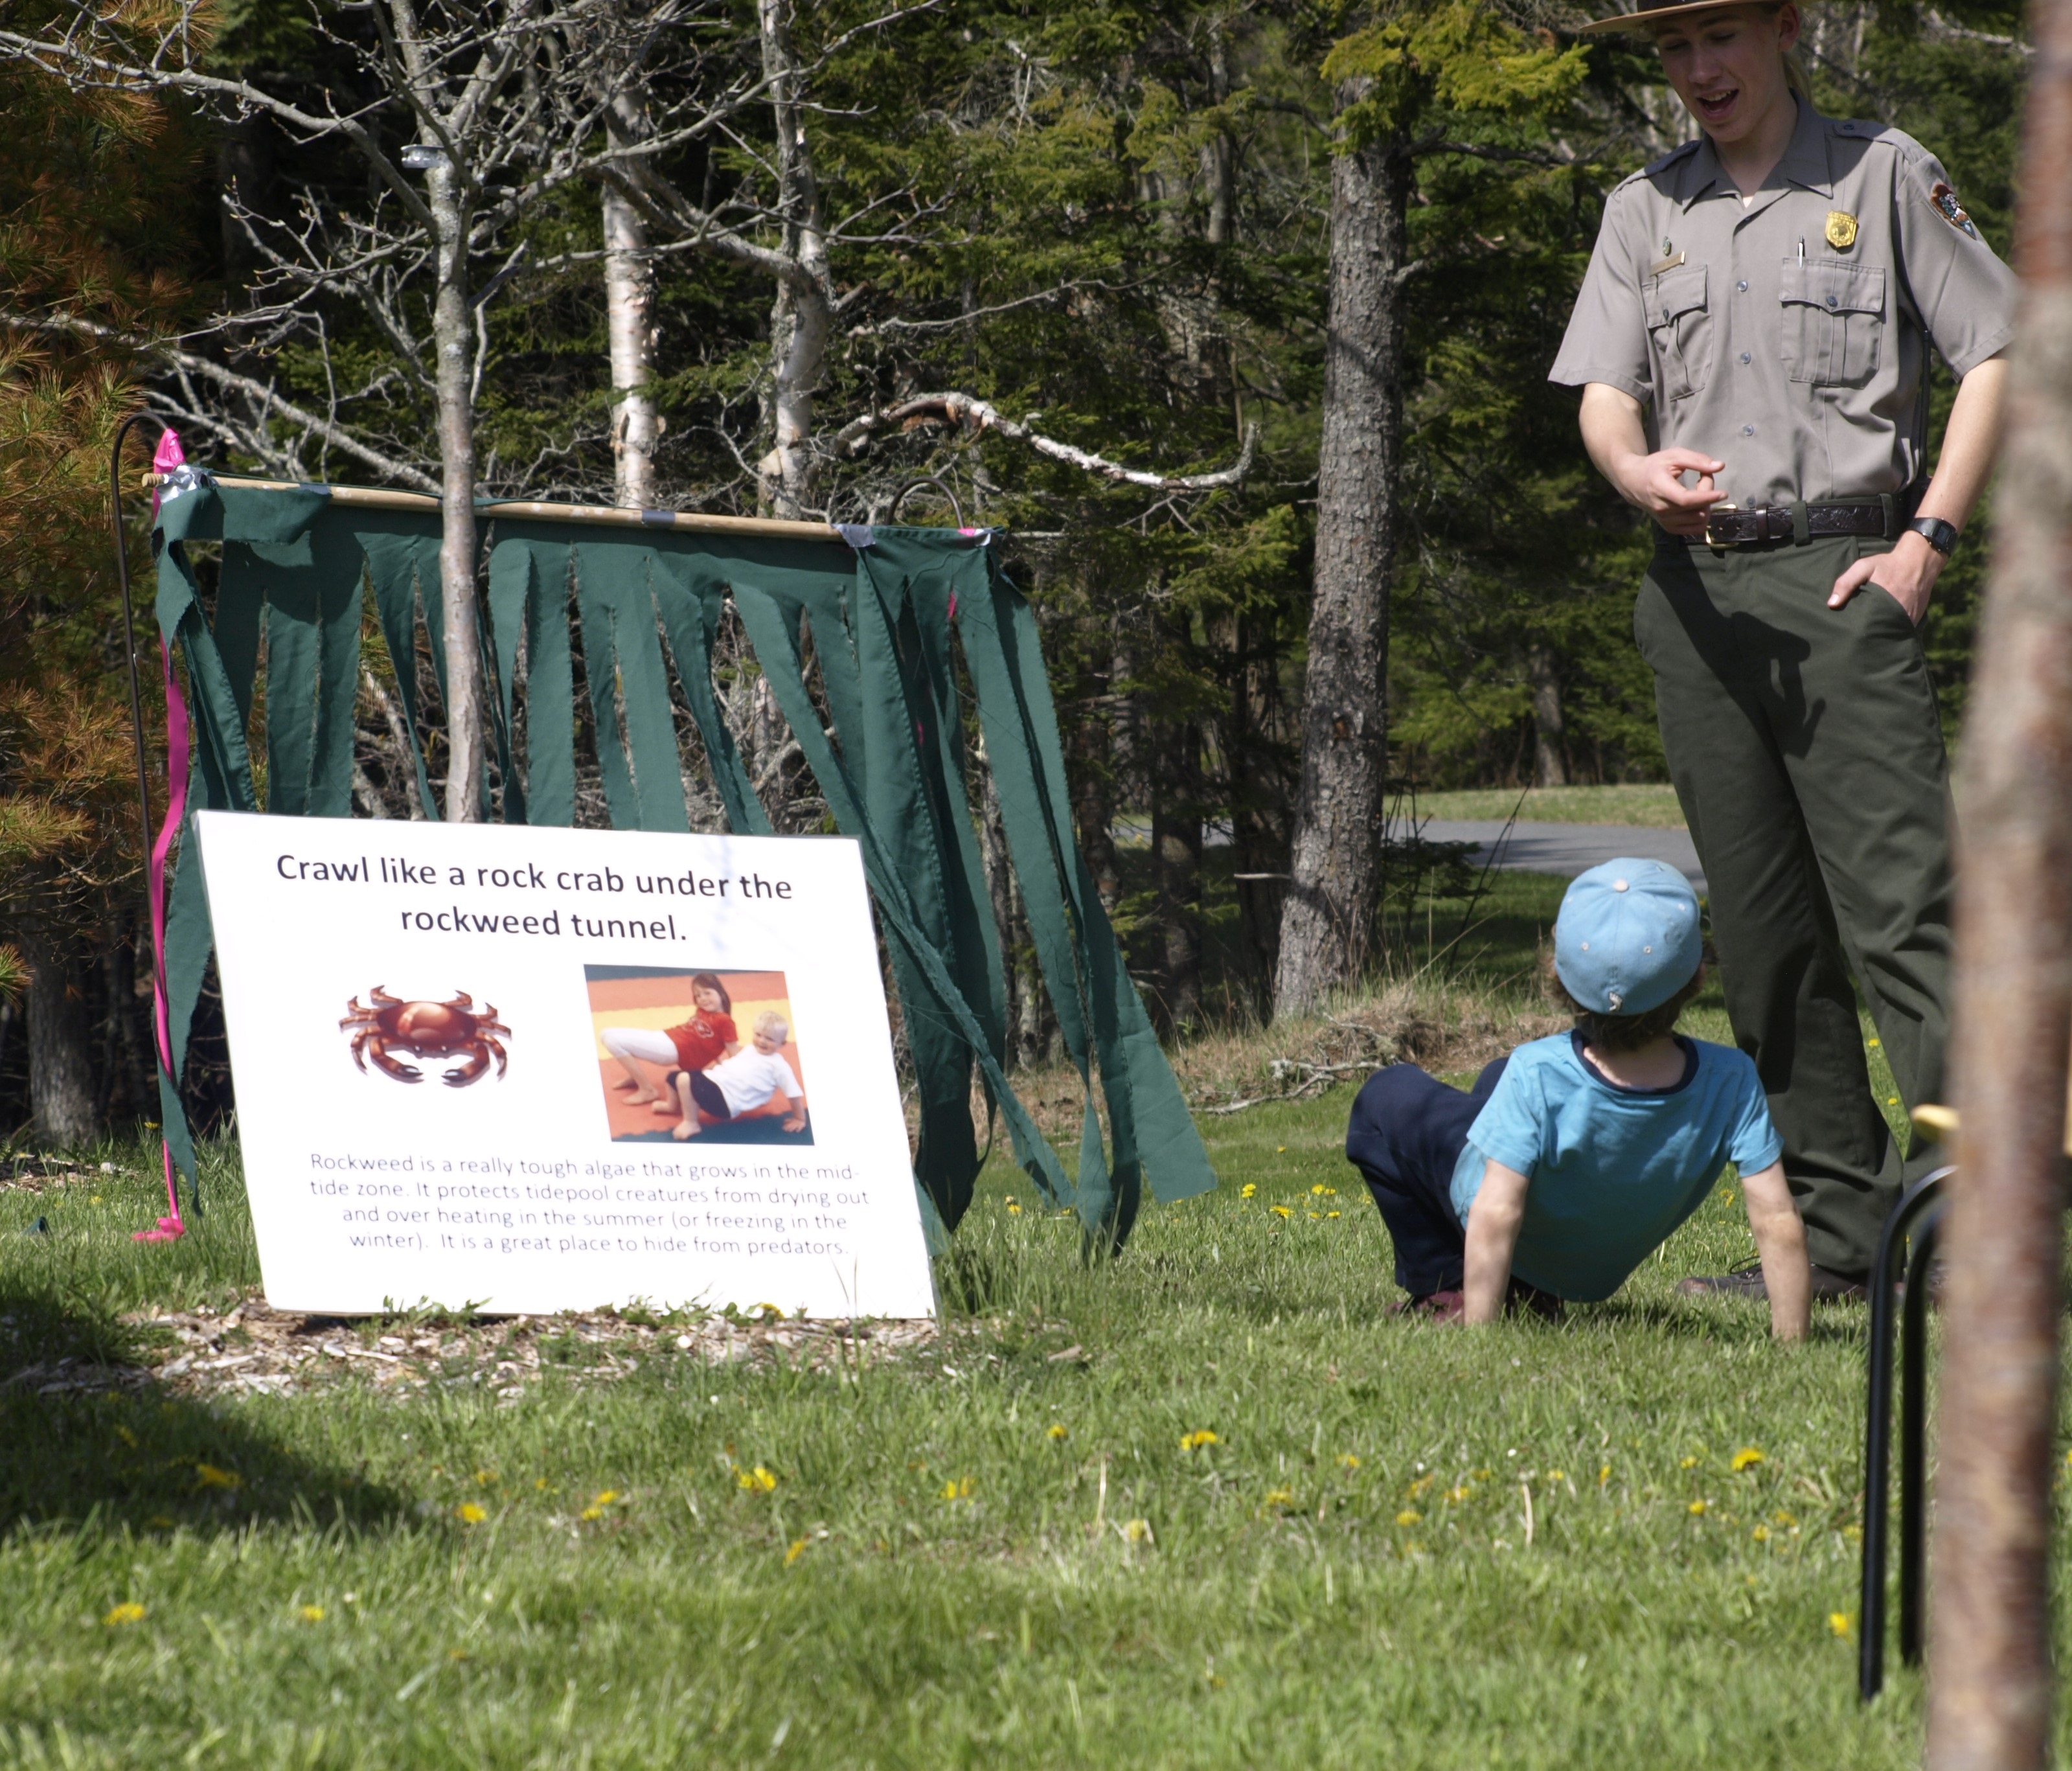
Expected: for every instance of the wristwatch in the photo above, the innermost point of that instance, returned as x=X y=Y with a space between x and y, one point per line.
x=1938 y=534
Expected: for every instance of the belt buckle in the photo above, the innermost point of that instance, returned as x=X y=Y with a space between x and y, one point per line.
x=1727 y=508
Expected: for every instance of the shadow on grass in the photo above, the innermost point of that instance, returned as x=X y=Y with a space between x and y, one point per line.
x=85 y=1433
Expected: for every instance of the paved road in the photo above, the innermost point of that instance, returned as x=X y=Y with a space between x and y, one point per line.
x=1567 y=849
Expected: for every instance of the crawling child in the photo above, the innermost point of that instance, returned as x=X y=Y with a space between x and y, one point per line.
x=1572 y=1160
x=742 y=1083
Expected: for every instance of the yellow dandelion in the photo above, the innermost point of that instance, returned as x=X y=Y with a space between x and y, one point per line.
x=1247 y=1189
x=1056 y=1430
x=540 y=1484
x=1455 y=1496
x=469 y=1514
x=1280 y=1149
x=797 y=1549
x=758 y=1481
x=1282 y=1211
x=313 y=1613
x=126 y=1613
x=1689 y=1463
x=1318 y=1216
x=610 y=1494
x=1200 y=1436
x=1014 y=1210
x=1839 y=1622
x=1747 y=1458
x=1137 y=1532
x=1604 y=1474
x=1334 y=1214
x=1761 y=1534
x=590 y=1515
x=1418 y=1488
x=1320 y=1189
x=483 y=1478
x=1557 y=1475
x=1281 y=1497
x=1783 y=1518
x=212 y=1478
x=1409 y=1516
x=959 y=1490
x=1874 y=1041
x=1348 y=1460
x=1695 y=1508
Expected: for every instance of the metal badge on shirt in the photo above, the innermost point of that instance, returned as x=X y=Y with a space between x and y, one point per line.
x=1841 y=229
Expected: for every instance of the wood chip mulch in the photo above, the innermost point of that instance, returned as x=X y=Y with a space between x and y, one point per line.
x=253 y=1348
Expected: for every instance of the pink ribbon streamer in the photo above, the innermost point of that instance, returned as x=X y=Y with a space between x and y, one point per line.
x=169 y=456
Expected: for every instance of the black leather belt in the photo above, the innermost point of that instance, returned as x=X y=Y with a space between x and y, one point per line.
x=1728 y=525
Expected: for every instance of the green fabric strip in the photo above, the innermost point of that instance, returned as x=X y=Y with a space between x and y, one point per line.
x=398 y=559
x=937 y=1006
x=691 y=616
x=623 y=658
x=1003 y=650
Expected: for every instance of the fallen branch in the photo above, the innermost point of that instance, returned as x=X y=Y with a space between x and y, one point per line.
x=980 y=416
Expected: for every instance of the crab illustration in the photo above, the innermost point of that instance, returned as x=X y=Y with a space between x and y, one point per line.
x=426 y=1029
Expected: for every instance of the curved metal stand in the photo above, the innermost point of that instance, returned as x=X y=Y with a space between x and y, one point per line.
x=1918 y=1216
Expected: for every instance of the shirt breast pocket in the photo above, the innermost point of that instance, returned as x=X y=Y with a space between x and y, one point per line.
x=1680 y=330
x=1834 y=321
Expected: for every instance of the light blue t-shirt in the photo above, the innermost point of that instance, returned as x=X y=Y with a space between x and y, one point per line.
x=1613 y=1170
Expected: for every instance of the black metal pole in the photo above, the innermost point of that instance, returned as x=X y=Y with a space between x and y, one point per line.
x=1878 y=1432
x=1913 y=1433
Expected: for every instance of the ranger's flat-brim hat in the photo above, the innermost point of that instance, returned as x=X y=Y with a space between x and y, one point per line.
x=1647 y=20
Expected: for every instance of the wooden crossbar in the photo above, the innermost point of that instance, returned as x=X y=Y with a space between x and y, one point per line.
x=605 y=515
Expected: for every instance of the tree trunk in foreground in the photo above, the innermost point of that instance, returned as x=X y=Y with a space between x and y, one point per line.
x=453 y=344
x=1335 y=882
x=1989 y=1656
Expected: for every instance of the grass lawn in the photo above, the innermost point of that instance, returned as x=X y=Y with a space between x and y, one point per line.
x=1403 y=1546
x=1648 y=803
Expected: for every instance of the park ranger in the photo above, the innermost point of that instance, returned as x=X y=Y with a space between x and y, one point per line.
x=1751 y=341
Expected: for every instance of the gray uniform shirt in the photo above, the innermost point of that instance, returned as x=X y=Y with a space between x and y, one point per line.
x=1751 y=335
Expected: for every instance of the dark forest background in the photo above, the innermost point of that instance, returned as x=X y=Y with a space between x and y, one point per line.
x=1110 y=221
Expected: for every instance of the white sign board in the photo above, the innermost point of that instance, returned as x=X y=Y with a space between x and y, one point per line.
x=537 y=1070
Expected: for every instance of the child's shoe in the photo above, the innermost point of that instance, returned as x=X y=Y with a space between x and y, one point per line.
x=1434 y=1306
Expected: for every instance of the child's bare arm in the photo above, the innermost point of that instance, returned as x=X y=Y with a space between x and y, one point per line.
x=1492 y=1222
x=1780 y=1239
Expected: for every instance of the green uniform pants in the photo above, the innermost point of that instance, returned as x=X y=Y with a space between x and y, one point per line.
x=1807 y=756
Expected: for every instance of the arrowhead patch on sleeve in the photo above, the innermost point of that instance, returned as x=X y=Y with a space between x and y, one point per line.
x=1944 y=200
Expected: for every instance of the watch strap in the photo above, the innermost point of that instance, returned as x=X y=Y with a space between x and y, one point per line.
x=1939 y=535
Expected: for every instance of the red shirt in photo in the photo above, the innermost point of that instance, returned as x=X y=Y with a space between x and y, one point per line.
x=703 y=1040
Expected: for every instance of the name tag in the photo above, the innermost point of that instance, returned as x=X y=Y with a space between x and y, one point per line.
x=1662 y=264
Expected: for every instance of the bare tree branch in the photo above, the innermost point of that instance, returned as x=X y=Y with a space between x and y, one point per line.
x=979 y=416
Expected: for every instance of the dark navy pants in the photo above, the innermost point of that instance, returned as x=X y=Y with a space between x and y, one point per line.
x=1406 y=1133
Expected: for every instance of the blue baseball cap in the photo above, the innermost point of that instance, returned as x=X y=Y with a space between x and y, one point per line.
x=1627 y=940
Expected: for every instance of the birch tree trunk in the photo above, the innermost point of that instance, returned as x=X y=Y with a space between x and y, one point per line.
x=629 y=299
x=801 y=316
x=1990 y=1678
x=1334 y=870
